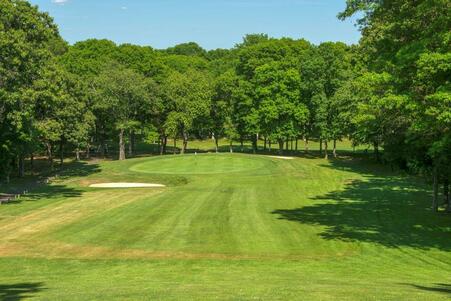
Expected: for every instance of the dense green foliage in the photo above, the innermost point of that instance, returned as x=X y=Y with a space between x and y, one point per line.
x=390 y=92
x=407 y=108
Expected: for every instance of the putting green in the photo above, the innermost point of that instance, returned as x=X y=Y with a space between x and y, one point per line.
x=200 y=164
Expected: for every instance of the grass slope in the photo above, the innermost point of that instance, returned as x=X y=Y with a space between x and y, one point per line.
x=227 y=227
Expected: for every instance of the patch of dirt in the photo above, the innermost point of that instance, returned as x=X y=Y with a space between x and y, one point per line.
x=126 y=185
x=281 y=157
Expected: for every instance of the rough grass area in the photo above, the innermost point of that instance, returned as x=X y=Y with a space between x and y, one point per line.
x=226 y=227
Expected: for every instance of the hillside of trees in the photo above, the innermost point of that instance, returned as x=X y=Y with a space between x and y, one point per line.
x=391 y=91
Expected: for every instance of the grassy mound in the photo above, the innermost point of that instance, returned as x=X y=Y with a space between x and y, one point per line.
x=199 y=164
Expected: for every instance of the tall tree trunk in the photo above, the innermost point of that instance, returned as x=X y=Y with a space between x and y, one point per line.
x=435 y=189
x=133 y=141
x=50 y=154
x=7 y=171
x=185 y=142
x=231 y=146
x=286 y=144
x=88 y=152
x=102 y=147
x=165 y=144
x=77 y=154
x=326 y=154
x=306 y=144
x=241 y=144
x=32 y=162
x=130 y=143
x=130 y=150
x=335 y=148
x=161 y=144
x=121 y=145
x=281 y=142
x=21 y=166
x=61 y=153
x=175 y=146
x=296 y=147
x=254 y=143
x=216 y=144
x=446 y=195
x=376 y=151
x=264 y=145
x=321 y=146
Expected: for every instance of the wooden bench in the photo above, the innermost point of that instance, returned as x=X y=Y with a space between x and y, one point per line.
x=5 y=198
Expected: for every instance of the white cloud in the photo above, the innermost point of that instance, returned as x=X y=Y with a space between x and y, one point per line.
x=124 y=7
x=60 y=2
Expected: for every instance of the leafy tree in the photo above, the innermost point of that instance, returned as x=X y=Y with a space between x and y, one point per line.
x=410 y=41
x=27 y=39
x=258 y=54
x=188 y=49
x=222 y=109
x=375 y=109
x=245 y=113
x=189 y=96
x=253 y=39
x=61 y=111
x=311 y=66
x=222 y=61
x=250 y=58
x=183 y=63
x=281 y=111
x=124 y=95
x=143 y=60
x=335 y=71
x=88 y=58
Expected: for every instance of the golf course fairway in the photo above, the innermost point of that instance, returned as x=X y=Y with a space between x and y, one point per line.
x=226 y=227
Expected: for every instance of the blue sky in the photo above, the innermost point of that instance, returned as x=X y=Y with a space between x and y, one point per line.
x=211 y=23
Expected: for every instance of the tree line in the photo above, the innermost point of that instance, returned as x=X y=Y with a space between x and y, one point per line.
x=391 y=91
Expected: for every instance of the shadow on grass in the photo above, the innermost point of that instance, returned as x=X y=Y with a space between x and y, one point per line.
x=438 y=287
x=46 y=192
x=32 y=181
x=19 y=291
x=39 y=188
x=78 y=169
x=382 y=208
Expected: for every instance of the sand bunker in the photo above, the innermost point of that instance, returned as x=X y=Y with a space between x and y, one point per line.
x=281 y=157
x=126 y=185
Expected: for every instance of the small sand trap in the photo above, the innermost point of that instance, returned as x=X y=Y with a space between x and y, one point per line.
x=281 y=157
x=125 y=185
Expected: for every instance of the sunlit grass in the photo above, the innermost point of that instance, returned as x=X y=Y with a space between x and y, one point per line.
x=226 y=227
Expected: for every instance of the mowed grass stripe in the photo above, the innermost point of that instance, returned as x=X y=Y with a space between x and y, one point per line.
x=210 y=228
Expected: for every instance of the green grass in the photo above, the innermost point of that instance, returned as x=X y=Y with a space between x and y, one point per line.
x=227 y=227
x=199 y=164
